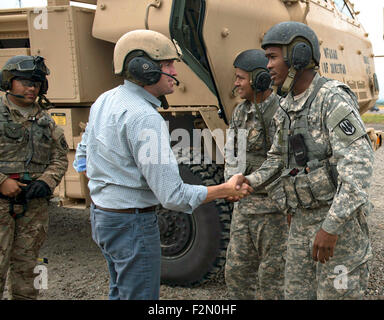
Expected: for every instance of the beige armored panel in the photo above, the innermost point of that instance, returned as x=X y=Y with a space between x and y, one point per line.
x=130 y=15
x=58 y=2
x=69 y=119
x=346 y=52
x=80 y=65
x=13 y=24
x=6 y=54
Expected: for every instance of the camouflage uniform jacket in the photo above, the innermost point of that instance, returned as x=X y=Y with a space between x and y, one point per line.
x=350 y=152
x=245 y=126
x=33 y=145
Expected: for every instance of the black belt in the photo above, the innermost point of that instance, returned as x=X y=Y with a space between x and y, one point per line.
x=129 y=210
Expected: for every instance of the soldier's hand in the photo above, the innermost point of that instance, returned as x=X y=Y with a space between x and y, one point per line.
x=240 y=184
x=239 y=187
x=235 y=188
x=11 y=187
x=37 y=189
x=323 y=246
x=237 y=180
x=232 y=199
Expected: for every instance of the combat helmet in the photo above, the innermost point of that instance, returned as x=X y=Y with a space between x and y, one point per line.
x=255 y=63
x=300 y=47
x=28 y=67
x=138 y=51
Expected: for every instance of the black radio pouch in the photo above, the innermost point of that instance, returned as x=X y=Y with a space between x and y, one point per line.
x=299 y=149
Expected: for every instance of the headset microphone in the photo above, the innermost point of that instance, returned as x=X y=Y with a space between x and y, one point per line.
x=12 y=94
x=167 y=74
x=16 y=95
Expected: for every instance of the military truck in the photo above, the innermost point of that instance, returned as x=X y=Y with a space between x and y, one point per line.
x=78 y=43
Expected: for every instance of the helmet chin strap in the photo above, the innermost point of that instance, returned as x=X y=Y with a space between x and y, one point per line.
x=44 y=102
x=289 y=80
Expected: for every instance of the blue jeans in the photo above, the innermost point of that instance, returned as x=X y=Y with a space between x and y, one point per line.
x=131 y=245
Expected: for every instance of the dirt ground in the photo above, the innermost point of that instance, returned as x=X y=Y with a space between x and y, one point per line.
x=77 y=270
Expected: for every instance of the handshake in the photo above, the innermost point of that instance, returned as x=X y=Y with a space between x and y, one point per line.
x=233 y=190
x=239 y=188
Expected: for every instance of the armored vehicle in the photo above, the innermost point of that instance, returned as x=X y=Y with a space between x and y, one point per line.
x=77 y=42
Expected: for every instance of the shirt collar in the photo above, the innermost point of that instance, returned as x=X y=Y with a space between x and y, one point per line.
x=156 y=103
x=296 y=103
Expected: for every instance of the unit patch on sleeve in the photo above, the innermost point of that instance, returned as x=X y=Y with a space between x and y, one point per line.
x=347 y=127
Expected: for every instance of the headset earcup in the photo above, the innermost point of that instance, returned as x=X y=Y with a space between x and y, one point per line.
x=301 y=55
x=5 y=85
x=261 y=81
x=144 y=70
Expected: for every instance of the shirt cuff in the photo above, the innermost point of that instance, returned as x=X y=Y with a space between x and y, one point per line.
x=331 y=226
x=202 y=195
x=252 y=180
x=80 y=164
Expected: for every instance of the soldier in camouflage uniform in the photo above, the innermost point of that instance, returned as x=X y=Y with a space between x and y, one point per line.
x=324 y=158
x=33 y=160
x=256 y=251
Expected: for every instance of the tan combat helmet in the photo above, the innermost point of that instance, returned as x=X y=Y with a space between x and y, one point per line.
x=154 y=44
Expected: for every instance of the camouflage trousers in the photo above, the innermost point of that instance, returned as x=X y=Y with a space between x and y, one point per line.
x=344 y=276
x=20 y=242
x=256 y=256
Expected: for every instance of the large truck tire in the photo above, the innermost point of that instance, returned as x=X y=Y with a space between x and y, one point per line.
x=194 y=246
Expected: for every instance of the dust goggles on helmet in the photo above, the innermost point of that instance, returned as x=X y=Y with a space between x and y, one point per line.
x=37 y=63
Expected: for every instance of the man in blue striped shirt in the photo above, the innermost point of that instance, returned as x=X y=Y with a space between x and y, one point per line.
x=131 y=166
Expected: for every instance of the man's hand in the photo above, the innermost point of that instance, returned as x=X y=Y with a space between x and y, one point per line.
x=323 y=246
x=240 y=187
x=235 y=188
x=237 y=181
x=11 y=187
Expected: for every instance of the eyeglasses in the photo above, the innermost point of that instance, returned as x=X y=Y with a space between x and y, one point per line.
x=29 y=83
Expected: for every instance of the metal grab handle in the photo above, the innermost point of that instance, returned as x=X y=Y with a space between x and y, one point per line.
x=292 y=2
x=156 y=4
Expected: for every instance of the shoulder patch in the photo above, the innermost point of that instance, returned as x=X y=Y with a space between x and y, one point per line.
x=347 y=127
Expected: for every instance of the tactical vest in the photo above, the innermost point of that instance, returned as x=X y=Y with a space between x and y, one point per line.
x=257 y=148
x=26 y=146
x=301 y=188
x=256 y=158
